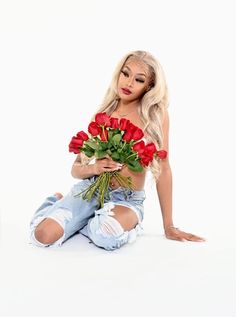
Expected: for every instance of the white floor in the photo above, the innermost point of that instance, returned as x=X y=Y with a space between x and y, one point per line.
x=153 y=276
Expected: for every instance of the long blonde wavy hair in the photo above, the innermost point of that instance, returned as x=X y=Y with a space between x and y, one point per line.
x=152 y=104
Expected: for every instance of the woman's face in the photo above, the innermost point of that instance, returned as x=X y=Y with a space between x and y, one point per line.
x=134 y=80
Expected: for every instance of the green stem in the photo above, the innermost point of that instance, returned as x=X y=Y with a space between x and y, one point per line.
x=123 y=180
x=123 y=146
x=131 y=155
x=103 y=188
x=103 y=131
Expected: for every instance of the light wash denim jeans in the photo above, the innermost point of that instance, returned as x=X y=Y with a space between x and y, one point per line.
x=75 y=215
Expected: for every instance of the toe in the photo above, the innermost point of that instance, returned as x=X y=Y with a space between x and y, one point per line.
x=58 y=195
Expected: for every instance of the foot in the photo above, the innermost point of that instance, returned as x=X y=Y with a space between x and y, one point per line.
x=58 y=195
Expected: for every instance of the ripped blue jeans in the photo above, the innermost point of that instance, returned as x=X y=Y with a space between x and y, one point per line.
x=76 y=215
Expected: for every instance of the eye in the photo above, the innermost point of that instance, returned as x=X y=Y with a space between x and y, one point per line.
x=125 y=73
x=140 y=80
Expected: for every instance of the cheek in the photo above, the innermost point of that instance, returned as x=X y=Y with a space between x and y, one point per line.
x=119 y=81
x=141 y=90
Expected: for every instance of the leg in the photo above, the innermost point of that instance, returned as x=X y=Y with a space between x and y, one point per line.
x=112 y=226
x=48 y=231
x=56 y=222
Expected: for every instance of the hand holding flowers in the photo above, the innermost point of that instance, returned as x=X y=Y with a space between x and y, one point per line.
x=120 y=140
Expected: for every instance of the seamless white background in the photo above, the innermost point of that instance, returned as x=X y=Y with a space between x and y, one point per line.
x=56 y=61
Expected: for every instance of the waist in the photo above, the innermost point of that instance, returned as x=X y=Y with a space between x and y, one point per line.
x=114 y=184
x=137 y=180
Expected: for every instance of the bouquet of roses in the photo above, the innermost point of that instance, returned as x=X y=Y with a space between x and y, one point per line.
x=122 y=141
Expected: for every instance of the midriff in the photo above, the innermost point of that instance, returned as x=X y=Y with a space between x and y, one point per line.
x=138 y=179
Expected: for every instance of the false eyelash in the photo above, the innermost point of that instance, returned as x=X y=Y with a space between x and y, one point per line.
x=140 y=80
x=124 y=73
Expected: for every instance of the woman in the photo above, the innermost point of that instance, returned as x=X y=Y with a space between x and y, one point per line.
x=139 y=93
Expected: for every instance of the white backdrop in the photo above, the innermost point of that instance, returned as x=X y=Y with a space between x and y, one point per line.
x=57 y=59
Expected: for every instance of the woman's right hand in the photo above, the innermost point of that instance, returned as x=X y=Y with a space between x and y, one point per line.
x=106 y=165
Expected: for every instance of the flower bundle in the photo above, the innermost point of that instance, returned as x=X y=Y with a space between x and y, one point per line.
x=122 y=141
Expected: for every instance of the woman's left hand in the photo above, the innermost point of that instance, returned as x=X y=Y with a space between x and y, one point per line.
x=176 y=234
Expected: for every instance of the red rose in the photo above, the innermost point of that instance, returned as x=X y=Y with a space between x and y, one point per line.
x=146 y=160
x=131 y=127
x=127 y=136
x=94 y=129
x=104 y=135
x=151 y=148
x=132 y=132
x=82 y=135
x=74 y=150
x=75 y=145
x=162 y=154
x=139 y=146
x=102 y=119
x=114 y=123
x=137 y=134
x=124 y=124
x=147 y=154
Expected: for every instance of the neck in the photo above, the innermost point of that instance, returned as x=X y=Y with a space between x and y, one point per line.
x=123 y=106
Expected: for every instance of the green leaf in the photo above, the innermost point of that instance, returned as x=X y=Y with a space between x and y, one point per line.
x=135 y=166
x=131 y=158
x=116 y=139
x=110 y=134
x=100 y=154
x=103 y=146
x=92 y=144
x=88 y=152
x=122 y=157
x=115 y=156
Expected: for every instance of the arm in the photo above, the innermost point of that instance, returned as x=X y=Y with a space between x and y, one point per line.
x=164 y=184
x=164 y=191
x=83 y=171
x=80 y=170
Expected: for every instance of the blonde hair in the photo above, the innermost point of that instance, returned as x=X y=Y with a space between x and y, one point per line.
x=152 y=104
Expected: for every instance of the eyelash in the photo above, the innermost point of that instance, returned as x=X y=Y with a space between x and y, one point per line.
x=127 y=75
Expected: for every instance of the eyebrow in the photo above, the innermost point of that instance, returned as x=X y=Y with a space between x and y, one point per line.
x=142 y=74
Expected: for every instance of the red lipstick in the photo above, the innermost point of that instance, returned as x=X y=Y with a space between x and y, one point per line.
x=126 y=91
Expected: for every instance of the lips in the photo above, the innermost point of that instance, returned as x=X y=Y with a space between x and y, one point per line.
x=126 y=91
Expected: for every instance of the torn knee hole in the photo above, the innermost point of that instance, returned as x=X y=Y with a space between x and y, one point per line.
x=111 y=226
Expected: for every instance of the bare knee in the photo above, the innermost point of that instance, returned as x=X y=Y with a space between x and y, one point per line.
x=48 y=231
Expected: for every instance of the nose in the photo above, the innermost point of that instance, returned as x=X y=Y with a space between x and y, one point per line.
x=130 y=82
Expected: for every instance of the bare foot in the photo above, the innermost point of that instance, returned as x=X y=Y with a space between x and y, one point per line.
x=58 y=195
